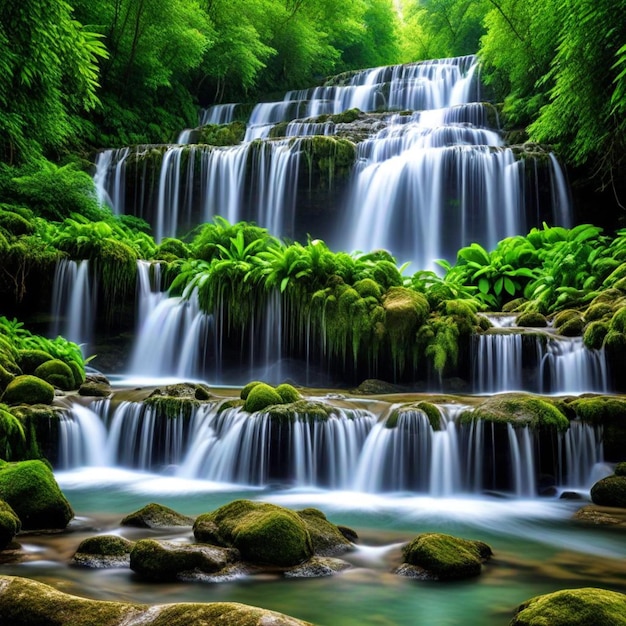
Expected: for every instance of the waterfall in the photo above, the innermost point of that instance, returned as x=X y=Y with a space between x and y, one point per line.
x=580 y=452
x=73 y=303
x=110 y=178
x=218 y=114
x=81 y=434
x=497 y=362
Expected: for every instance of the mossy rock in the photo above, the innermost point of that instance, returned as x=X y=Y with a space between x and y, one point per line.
x=599 y=311
x=263 y=533
x=10 y=524
x=444 y=557
x=303 y=410
x=326 y=538
x=30 y=489
x=167 y=560
x=103 y=551
x=572 y=328
x=26 y=602
x=531 y=319
x=610 y=491
x=368 y=288
x=600 y=410
x=30 y=360
x=155 y=515
x=5 y=378
x=573 y=607
x=519 y=410
x=173 y=247
x=260 y=397
x=28 y=389
x=430 y=410
x=288 y=393
x=57 y=373
x=615 y=349
x=594 y=334
x=78 y=371
x=95 y=390
x=317 y=567
x=245 y=392
x=620 y=469
x=618 y=321
x=15 y=224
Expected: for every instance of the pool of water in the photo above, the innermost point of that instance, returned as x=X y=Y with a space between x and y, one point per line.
x=537 y=549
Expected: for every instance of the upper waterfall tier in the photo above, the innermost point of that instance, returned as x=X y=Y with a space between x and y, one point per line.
x=428 y=177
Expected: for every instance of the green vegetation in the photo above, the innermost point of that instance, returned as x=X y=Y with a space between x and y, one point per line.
x=155 y=515
x=10 y=524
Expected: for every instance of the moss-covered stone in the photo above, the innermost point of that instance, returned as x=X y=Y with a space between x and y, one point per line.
x=594 y=334
x=27 y=389
x=288 y=393
x=245 y=392
x=173 y=247
x=618 y=321
x=10 y=524
x=573 y=607
x=93 y=389
x=520 y=410
x=30 y=360
x=610 y=491
x=103 y=551
x=620 y=469
x=25 y=602
x=565 y=316
x=326 y=538
x=599 y=311
x=573 y=327
x=155 y=515
x=222 y=134
x=260 y=397
x=30 y=489
x=430 y=410
x=57 y=373
x=5 y=377
x=444 y=557
x=600 y=410
x=166 y=560
x=301 y=410
x=317 y=567
x=263 y=533
x=531 y=319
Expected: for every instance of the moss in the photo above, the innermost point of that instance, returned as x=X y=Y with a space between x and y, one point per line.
x=263 y=533
x=620 y=469
x=13 y=446
x=519 y=410
x=600 y=410
x=94 y=389
x=368 y=288
x=600 y=311
x=288 y=393
x=328 y=158
x=610 y=491
x=531 y=319
x=326 y=538
x=105 y=545
x=28 y=390
x=594 y=334
x=171 y=407
x=573 y=607
x=78 y=371
x=30 y=489
x=431 y=411
x=173 y=247
x=230 y=404
x=222 y=134
x=615 y=348
x=565 y=316
x=513 y=305
x=446 y=557
x=260 y=397
x=57 y=373
x=245 y=392
x=155 y=515
x=573 y=327
x=30 y=360
x=346 y=117
x=15 y=224
x=10 y=524
x=302 y=409
x=618 y=321
x=5 y=378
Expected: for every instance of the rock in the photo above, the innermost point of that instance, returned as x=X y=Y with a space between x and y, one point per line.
x=30 y=360
x=620 y=469
x=263 y=533
x=25 y=602
x=316 y=567
x=288 y=393
x=532 y=319
x=573 y=607
x=156 y=516
x=10 y=524
x=372 y=386
x=97 y=390
x=260 y=397
x=103 y=551
x=27 y=389
x=443 y=557
x=570 y=495
x=57 y=373
x=326 y=538
x=166 y=560
x=601 y=516
x=610 y=491
x=32 y=492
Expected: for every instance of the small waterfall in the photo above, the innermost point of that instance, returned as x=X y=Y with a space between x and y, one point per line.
x=81 y=434
x=73 y=303
x=497 y=362
x=110 y=178
x=522 y=462
x=218 y=114
x=580 y=452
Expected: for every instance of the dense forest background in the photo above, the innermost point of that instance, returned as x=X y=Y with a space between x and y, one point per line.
x=76 y=76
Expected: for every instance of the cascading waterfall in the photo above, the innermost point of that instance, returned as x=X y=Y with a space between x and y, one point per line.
x=350 y=448
x=73 y=302
x=218 y=114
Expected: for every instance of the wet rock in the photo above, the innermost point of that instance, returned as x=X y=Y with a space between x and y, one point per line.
x=155 y=515
x=103 y=551
x=610 y=491
x=594 y=515
x=326 y=538
x=10 y=524
x=317 y=567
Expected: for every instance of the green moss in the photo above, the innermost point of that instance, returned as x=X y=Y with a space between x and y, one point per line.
x=263 y=533
x=105 y=545
x=30 y=360
x=57 y=373
x=519 y=410
x=155 y=515
x=30 y=489
x=620 y=469
x=615 y=349
x=230 y=404
x=618 y=321
x=431 y=411
x=346 y=117
x=573 y=327
x=326 y=538
x=78 y=371
x=600 y=410
x=174 y=247
x=15 y=224
x=573 y=607
x=594 y=334
x=531 y=319
x=13 y=446
x=288 y=393
x=610 y=491
x=368 y=288
x=328 y=158
x=5 y=377
x=301 y=409
x=513 y=305
x=171 y=407
x=245 y=392
x=565 y=316
x=600 y=311
x=446 y=557
x=10 y=524
x=28 y=390
x=222 y=134
x=260 y=397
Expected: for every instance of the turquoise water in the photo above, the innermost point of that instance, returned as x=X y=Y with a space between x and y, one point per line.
x=537 y=549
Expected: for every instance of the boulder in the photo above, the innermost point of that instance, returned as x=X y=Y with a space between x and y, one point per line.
x=57 y=373
x=25 y=602
x=156 y=516
x=573 y=607
x=260 y=397
x=610 y=491
x=32 y=492
x=435 y=556
x=263 y=533
x=27 y=389
x=103 y=551
x=166 y=560
x=326 y=538
x=10 y=524
x=316 y=567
